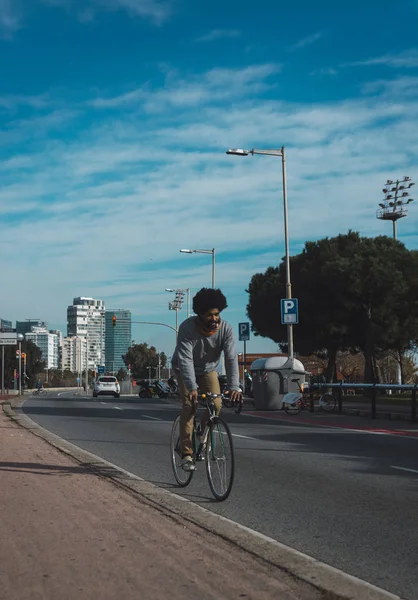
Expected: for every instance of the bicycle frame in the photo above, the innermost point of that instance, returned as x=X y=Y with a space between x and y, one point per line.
x=210 y=405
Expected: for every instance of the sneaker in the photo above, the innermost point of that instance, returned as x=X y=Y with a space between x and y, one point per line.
x=188 y=464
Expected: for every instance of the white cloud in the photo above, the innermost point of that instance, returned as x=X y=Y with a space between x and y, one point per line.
x=307 y=41
x=104 y=208
x=11 y=102
x=407 y=59
x=10 y=18
x=217 y=34
x=325 y=71
x=216 y=85
x=156 y=10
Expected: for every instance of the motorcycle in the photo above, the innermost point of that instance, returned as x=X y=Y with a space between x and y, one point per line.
x=154 y=389
x=173 y=387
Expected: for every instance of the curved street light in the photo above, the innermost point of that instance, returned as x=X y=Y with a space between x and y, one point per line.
x=199 y=251
x=280 y=153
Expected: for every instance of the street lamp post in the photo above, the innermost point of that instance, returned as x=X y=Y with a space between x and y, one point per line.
x=392 y=209
x=212 y=251
x=281 y=153
x=183 y=291
x=176 y=304
x=396 y=197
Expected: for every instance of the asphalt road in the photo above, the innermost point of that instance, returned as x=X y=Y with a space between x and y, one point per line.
x=346 y=498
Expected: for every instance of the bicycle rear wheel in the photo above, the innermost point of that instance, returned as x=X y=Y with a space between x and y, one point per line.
x=220 y=460
x=327 y=402
x=182 y=477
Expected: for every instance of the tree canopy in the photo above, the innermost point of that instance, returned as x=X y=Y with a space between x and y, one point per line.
x=34 y=363
x=141 y=356
x=355 y=293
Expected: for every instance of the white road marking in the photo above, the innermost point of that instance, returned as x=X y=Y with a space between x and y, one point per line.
x=245 y=437
x=153 y=418
x=118 y=407
x=405 y=469
x=103 y=403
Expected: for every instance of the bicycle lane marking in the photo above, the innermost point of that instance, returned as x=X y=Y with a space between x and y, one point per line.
x=405 y=469
x=359 y=428
x=244 y=437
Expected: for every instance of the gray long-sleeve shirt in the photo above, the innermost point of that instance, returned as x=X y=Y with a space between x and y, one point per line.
x=196 y=354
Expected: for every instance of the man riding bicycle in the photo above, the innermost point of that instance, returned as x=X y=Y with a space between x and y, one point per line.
x=200 y=343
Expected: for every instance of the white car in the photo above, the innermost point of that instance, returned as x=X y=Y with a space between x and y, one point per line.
x=106 y=385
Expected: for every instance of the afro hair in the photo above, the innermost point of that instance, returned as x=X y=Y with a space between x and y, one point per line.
x=208 y=298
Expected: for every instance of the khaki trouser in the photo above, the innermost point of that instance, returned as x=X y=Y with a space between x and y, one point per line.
x=208 y=382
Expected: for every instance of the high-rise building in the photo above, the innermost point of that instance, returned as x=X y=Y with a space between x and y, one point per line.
x=74 y=354
x=6 y=325
x=48 y=343
x=59 y=334
x=86 y=318
x=26 y=326
x=118 y=338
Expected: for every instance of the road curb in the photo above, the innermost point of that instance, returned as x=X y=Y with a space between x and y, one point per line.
x=332 y=583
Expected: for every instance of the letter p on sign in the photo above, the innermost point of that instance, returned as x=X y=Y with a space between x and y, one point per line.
x=290 y=311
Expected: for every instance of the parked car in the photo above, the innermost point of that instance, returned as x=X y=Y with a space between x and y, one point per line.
x=106 y=385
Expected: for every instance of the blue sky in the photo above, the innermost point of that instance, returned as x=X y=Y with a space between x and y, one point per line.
x=114 y=120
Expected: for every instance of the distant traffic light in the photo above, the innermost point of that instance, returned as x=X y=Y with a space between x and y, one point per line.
x=114 y=321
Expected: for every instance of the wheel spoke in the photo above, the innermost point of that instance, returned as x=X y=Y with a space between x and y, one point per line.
x=220 y=460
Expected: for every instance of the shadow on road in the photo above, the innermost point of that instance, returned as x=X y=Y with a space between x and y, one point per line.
x=45 y=469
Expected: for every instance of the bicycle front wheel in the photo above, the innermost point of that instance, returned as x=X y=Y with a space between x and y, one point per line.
x=327 y=402
x=182 y=477
x=220 y=460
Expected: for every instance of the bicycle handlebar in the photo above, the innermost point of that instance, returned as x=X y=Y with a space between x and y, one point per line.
x=225 y=399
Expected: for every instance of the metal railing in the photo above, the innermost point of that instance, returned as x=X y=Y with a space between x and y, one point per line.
x=374 y=387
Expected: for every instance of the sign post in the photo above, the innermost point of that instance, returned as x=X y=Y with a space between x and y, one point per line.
x=290 y=311
x=244 y=336
x=290 y=317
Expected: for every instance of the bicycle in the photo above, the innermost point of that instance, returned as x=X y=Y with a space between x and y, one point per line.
x=294 y=402
x=215 y=448
x=39 y=392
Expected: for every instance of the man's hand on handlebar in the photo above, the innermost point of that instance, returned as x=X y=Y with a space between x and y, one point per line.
x=194 y=397
x=235 y=396
x=234 y=399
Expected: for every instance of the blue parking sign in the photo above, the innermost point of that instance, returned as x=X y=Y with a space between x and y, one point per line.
x=244 y=332
x=290 y=311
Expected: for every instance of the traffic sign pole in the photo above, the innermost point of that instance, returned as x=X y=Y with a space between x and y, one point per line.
x=2 y=370
x=244 y=336
x=245 y=362
x=20 y=368
x=290 y=317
